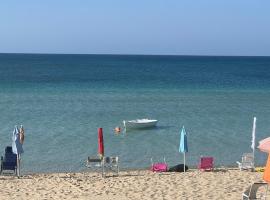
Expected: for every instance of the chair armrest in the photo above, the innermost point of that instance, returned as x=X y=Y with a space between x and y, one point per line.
x=244 y=195
x=239 y=164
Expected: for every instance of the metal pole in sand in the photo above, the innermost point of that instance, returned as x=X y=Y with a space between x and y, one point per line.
x=184 y=162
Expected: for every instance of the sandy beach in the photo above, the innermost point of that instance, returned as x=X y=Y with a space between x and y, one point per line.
x=220 y=184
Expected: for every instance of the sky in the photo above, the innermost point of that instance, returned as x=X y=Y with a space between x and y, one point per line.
x=169 y=27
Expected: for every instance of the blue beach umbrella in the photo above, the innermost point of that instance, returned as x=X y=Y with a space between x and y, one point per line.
x=17 y=147
x=183 y=146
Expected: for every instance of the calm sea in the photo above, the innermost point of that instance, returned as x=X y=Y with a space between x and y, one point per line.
x=63 y=99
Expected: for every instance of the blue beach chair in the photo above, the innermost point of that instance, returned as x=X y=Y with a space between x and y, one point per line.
x=9 y=161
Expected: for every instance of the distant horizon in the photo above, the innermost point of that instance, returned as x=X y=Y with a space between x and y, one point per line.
x=122 y=54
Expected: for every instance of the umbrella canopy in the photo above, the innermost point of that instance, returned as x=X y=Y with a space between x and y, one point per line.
x=266 y=174
x=264 y=145
x=183 y=147
x=100 y=142
x=16 y=142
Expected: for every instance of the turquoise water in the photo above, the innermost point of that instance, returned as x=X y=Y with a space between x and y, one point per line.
x=62 y=99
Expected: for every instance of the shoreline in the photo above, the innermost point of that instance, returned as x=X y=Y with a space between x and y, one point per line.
x=222 y=183
x=88 y=170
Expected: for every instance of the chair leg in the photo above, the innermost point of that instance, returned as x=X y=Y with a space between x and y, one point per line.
x=266 y=192
x=103 y=169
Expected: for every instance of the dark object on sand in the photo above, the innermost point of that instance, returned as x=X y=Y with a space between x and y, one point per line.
x=178 y=168
x=9 y=161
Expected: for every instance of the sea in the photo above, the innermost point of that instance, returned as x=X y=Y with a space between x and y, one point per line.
x=62 y=100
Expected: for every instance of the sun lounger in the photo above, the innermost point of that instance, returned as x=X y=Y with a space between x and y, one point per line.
x=206 y=164
x=9 y=161
x=247 y=162
x=251 y=192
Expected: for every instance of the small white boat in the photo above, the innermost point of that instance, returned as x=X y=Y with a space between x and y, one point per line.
x=140 y=123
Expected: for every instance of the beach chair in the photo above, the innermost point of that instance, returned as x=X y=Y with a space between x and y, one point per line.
x=159 y=166
x=110 y=163
x=8 y=162
x=94 y=163
x=206 y=164
x=247 y=162
x=251 y=192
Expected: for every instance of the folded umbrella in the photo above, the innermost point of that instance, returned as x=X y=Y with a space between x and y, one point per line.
x=100 y=143
x=183 y=146
x=17 y=142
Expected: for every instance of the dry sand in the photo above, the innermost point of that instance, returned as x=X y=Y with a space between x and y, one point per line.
x=220 y=184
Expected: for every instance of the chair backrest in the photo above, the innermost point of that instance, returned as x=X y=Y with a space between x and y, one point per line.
x=247 y=158
x=206 y=163
x=10 y=157
x=93 y=162
x=111 y=160
x=8 y=149
x=114 y=160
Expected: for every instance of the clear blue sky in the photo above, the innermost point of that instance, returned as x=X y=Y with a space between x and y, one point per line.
x=184 y=27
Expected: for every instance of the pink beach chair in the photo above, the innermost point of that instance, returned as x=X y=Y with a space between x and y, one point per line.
x=206 y=164
x=159 y=166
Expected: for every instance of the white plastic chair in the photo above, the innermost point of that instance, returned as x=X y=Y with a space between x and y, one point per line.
x=95 y=163
x=247 y=162
x=110 y=163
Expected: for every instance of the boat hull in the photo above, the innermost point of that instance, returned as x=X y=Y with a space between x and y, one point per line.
x=136 y=124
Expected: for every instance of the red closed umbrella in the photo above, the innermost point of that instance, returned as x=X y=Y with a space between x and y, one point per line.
x=100 y=142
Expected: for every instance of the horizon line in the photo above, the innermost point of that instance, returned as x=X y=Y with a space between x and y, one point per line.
x=120 y=54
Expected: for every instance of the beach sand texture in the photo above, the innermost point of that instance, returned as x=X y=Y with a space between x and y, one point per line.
x=220 y=184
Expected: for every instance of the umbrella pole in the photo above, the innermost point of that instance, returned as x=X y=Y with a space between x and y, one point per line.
x=125 y=128
x=184 y=162
x=18 y=165
x=254 y=139
x=253 y=159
